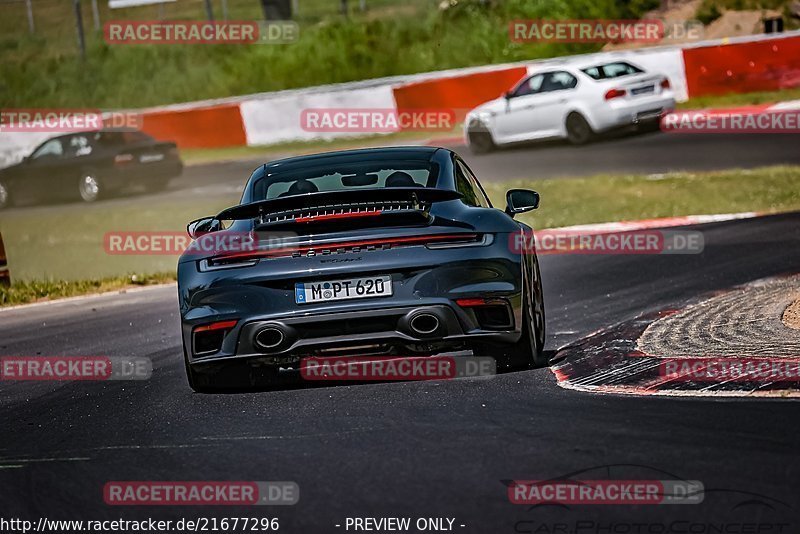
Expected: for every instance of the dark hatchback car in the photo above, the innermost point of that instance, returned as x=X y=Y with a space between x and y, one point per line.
x=388 y=251
x=89 y=165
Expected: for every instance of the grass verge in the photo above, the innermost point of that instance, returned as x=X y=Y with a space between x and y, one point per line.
x=58 y=251
x=66 y=242
x=39 y=291
x=607 y=198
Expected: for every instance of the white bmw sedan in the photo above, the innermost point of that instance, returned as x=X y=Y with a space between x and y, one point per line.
x=570 y=102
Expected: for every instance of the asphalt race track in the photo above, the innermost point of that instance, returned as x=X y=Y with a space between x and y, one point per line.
x=421 y=449
x=648 y=153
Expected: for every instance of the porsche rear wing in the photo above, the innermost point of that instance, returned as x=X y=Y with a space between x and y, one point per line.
x=330 y=206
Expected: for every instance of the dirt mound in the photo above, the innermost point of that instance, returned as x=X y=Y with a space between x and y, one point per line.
x=791 y=316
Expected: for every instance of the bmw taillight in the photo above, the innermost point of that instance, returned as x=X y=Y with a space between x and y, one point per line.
x=665 y=83
x=614 y=93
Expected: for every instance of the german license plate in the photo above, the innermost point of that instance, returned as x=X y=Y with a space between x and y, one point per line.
x=151 y=158
x=354 y=288
x=643 y=90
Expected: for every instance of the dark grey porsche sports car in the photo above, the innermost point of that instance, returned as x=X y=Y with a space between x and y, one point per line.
x=385 y=251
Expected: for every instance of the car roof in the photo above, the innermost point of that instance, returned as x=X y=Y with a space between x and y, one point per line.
x=89 y=132
x=577 y=65
x=589 y=64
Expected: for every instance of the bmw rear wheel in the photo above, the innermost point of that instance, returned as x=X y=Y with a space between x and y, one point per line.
x=579 y=132
x=89 y=187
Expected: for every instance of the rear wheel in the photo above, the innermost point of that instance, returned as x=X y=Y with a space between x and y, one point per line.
x=579 y=132
x=528 y=351
x=89 y=186
x=229 y=377
x=538 y=315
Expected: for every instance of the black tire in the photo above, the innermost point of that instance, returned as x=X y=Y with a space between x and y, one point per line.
x=480 y=142
x=648 y=126
x=579 y=132
x=197 y=381
x=528 y=351
x=540 y=323
x=230 y=377
x=6 y=199
x=89 y=187
x=227 y=378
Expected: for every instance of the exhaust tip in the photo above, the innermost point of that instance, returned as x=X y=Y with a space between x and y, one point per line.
x=269 y=338
x=424 y=324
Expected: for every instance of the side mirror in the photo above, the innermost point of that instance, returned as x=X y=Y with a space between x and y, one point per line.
x=521 y=200
x=203 y=226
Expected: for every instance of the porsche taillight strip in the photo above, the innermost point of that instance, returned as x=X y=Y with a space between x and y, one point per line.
x=385 y=243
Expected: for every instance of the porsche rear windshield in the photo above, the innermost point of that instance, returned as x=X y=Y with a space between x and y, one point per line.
x=611 y=70
x=351 y=176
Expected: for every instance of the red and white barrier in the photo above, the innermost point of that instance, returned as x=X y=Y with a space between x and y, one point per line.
x=459 y=93
x=743 y=67
x=276 y=118
x=201 y=127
